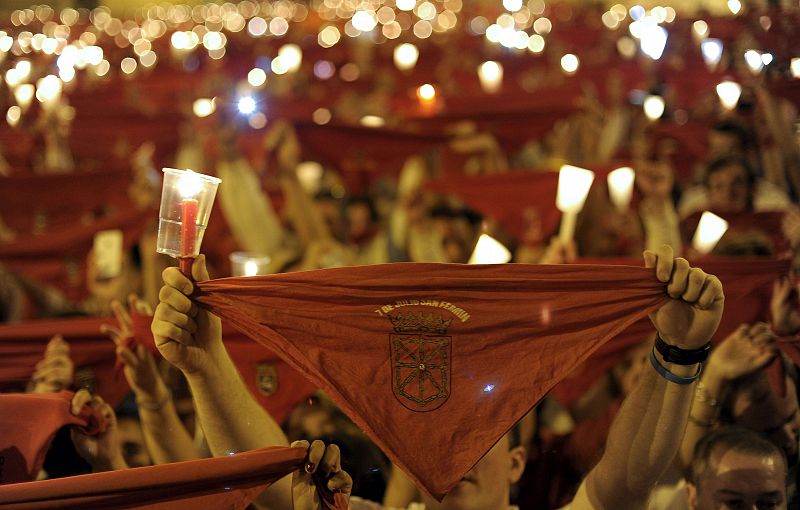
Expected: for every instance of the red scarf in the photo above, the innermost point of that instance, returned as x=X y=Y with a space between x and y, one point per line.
x=436 y=362
x=225 y=483
x=28 y=422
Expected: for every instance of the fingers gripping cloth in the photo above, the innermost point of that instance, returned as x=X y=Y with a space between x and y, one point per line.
x=436 y=362
x=225 y=483
x=29 y=421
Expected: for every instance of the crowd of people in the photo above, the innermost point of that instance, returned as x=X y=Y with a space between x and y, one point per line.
x=695 y=410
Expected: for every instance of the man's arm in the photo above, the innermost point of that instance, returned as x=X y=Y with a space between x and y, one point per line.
x=647 y=432
x=191 y=339
x=745 y=351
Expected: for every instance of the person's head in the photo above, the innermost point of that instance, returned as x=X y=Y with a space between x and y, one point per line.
x=730 y=184
x=727 y=138
x=457 y=229
x=754 y=404
x=361 y=216
x=487 y=486
x=735 y=468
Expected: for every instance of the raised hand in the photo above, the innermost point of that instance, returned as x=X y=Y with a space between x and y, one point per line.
x=103 y=451
x=784 y=308
x=323 y=464
x=188 y=337
x=691 y=317
x=55 y=371
x=139 y=366
x=746 y=350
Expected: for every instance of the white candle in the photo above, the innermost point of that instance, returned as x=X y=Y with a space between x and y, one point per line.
x=709 y=231
x=573 y=188
x=729 y=93
x=620 y=187
x=489 y=250
x=490 y=74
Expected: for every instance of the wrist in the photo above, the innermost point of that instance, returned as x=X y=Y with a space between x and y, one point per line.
x=153 y=404
x=108 y=464
x=679 y=370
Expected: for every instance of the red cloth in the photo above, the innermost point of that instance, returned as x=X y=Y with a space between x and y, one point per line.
x=521 y=191
x=420 y=354
x=22 y=345
x=274 y=384
x=58 y=258
x=53 y=202
x=225 y=483
x=748 y=286
x=29 y=422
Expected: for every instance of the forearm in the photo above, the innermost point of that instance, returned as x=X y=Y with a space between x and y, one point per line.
x=643 y=440
x=703 y=415
x=234 y=422
x=166 y=438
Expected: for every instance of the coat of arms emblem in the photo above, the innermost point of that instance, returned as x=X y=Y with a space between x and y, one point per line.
x=266 y=379
x=420 y=350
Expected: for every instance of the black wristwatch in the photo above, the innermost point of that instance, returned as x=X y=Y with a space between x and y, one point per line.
x=672 y=354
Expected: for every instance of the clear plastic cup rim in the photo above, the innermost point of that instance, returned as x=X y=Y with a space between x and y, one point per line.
x=208 y=178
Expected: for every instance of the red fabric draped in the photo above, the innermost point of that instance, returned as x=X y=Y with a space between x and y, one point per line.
x=273 y=383
x=22 y=345
x=417 y=354
x=29 y=422
x=225 y=483
x=362 y=154
x=58 y=258
x=54 y=202
x=520 y=191
x=748 y=286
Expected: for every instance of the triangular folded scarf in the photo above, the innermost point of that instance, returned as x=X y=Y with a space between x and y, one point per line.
x=28 y=423
x=436 y=362
x=224 y=483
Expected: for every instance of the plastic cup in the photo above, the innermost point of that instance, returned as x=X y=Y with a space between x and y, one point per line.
x=189 y=196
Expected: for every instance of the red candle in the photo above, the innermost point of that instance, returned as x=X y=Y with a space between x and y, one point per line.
x=188 y=233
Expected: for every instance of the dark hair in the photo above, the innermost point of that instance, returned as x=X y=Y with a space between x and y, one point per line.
x=732 y=128
x=726 y=161
x=515 y=436
x=730 y=438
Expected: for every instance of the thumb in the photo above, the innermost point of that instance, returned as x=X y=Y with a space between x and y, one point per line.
x=199 y=269
x=649 y=259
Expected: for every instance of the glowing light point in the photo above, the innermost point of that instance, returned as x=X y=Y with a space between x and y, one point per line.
x=488 y=388
x=653 y=107
x=712 y=52
x=490 y=74
x=246 y=105
x=729 y=93
x=405 y=56
x=570 y=63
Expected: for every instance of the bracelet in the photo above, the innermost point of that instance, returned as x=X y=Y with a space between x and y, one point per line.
x=701 y=395
x=701 y=423
x=672 y=354
x=669 y=376
x=156 y=406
